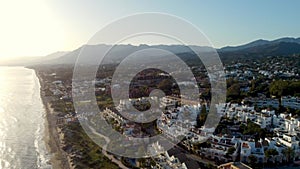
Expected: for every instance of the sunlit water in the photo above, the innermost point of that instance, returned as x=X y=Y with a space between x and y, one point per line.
x=22 y=120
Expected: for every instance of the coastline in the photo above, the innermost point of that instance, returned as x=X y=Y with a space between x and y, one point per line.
x=54 y=137
x=58 y=159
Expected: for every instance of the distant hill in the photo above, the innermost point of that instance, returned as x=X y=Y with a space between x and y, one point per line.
x=31 y=60
x=118 y=53
x=259 y=42
x=252 y=50
x=55 y=55
x=280 y=47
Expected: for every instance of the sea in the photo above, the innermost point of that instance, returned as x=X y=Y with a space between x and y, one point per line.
x=22 y=121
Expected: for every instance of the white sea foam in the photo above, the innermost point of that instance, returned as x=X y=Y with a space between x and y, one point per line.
x=22 y=121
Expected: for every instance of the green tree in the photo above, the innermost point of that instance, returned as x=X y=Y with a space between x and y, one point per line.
x=253 y=129
x=201 y=116
x=233 y=92
x=252 y=160
x=279 y=88
x=289 y=154
x=230 y=151
x=270 y=153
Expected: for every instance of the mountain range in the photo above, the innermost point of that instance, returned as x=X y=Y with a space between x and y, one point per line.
x=260 y=42
x=259 y=48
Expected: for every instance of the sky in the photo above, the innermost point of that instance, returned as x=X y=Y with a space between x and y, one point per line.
x=41 y=27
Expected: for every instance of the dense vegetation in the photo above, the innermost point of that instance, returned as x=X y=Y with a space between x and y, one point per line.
x=90 y=153
x=253 y=129
x=280 y=88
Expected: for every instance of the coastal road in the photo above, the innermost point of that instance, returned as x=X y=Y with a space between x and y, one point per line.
x=111 y=157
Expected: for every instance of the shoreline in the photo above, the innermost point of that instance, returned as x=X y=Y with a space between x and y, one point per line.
x=53 y=136
x=58 y=158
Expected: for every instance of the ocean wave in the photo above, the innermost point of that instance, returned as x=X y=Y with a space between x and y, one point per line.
x=22 y=119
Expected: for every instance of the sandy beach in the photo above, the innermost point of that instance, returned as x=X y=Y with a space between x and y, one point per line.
x=59 y=159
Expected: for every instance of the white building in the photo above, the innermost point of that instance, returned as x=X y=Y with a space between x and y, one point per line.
x=219 y=148
x=291 y=102
x=252 y=148
x=289 y=141
x=262 y=102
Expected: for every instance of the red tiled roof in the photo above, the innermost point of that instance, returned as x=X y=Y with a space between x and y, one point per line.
x=245 y=145
x=257 y=145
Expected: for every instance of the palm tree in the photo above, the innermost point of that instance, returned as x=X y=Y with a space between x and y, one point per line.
x=270 y=154
x=289 y=153
x=252 y=160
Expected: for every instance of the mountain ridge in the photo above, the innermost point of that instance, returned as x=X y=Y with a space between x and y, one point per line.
x=255 y=49
x=260 y=42
x=259 y=48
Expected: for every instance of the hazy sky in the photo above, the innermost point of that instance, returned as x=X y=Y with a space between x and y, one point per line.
x=38 y=27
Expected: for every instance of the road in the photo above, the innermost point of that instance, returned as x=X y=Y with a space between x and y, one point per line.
x=111 y=157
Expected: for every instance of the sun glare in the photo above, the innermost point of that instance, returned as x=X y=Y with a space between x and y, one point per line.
x=29 y=28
